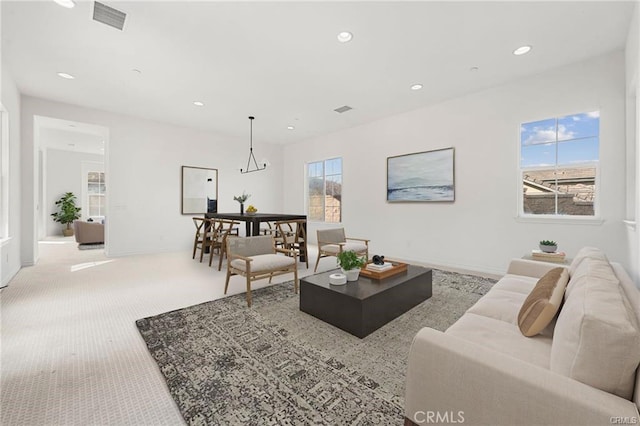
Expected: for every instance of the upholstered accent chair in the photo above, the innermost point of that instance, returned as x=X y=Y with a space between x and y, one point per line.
x=333 y=241
x=292 y=235
x=88 y=232
x=256 y=258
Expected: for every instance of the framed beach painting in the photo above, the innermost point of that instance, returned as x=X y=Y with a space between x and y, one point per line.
x=422 y=176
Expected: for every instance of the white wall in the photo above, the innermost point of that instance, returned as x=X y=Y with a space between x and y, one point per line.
x=480 y=230
x=632 y=61
x=143 y=162
x=63 y=174
x=10 y=249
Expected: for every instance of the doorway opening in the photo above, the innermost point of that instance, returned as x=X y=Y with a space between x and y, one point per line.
x=71 y=158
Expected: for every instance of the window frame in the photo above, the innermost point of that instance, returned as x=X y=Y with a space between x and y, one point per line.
x=324 y=186
x=102 y=206
x=87 y=167
x=4 y=174
x=521 y=216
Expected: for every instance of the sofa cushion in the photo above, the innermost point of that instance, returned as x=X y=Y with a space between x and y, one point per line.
x=596 y=338
x=502 y=337
x=543 y=302
x=499 y=304
x=595 y=265
x=586 y=253
x=516 y=283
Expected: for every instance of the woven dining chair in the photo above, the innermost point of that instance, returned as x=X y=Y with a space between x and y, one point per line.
x=201 y=236
x=292 y=235
x=220 y=230
x=255 y=258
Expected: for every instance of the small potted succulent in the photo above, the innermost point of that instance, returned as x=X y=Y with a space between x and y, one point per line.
x=548 y=246
x=351 y=264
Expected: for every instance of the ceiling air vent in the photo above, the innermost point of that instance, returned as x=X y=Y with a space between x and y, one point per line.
x=108 y=15
x=342 y=109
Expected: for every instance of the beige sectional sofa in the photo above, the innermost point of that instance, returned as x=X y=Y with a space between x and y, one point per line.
x=582 y=369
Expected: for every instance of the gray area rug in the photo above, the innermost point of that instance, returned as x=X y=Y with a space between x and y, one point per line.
x=271 y=364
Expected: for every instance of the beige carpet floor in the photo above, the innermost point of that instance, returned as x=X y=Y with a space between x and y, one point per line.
x=70 y=353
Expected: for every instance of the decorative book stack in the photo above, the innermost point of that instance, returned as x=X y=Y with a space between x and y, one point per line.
x=379 y=268
x=557 y=256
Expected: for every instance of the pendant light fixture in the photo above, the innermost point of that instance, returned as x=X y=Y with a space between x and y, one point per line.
x=252 y=157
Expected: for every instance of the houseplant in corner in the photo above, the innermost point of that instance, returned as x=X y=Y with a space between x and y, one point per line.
x=350 y=263
x=67 y=212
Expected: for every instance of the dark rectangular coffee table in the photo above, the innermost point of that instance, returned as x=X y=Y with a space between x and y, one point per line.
x=363 y=306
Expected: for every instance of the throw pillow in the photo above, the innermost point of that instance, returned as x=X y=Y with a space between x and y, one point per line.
x=543 y=302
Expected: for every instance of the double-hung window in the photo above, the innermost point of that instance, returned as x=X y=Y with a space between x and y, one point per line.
x=559 y=165
x=95 y=193
x=324 y=190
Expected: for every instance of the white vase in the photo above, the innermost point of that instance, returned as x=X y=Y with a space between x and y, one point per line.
x=352 y=274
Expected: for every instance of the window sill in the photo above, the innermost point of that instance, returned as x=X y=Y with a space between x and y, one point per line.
x=570 y=220
x=5 y=241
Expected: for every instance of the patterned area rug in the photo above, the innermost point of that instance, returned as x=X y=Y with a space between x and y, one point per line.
x=272 y=364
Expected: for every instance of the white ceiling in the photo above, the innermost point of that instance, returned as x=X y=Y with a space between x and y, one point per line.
x=70 y=136
x=281 y=61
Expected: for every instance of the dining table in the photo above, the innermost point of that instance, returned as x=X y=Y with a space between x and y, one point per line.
x=252 y=220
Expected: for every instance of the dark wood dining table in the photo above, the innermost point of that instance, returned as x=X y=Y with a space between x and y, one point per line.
x=252 y=221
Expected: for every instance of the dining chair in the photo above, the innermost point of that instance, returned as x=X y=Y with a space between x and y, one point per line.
x=267 y=229
x=333 y=241
x=292 y=235
x=200 y=238
x=256 y=258
x=220 y=230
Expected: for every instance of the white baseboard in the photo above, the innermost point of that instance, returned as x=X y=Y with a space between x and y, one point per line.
x=8 y=278
x=460 y=268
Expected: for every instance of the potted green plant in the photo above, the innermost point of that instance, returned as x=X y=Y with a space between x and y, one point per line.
x=350 y=263
x=67 y=212
x=241 y=199
x=548 y=246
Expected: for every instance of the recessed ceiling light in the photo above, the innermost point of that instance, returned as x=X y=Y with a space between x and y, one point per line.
x=522 y=50
x=198 y=103
x=345 y=36
x=66 y=3
x=65 y=75
x=416 y=87
x=474 y=69
x=290 y=128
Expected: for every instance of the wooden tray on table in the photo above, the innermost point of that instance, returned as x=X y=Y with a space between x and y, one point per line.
x=397 y=268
